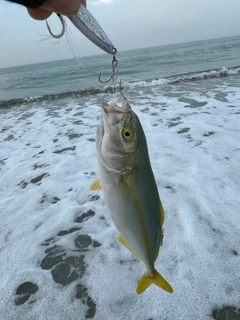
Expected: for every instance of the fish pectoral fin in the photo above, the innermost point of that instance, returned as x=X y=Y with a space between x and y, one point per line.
x=123 y=242
x=96 y=185
x=157 y=279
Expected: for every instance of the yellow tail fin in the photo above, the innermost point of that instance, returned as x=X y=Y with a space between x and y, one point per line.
x=157 y=279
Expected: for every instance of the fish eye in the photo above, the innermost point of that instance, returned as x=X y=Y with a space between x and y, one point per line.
x=127 y=134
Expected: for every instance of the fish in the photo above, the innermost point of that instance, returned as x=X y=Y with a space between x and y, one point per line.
x=129 y=187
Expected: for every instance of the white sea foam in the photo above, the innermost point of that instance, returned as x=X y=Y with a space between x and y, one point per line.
x=193 y=139
x=181 y=78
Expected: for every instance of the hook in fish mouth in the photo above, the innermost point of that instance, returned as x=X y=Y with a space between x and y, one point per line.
x=115 y=111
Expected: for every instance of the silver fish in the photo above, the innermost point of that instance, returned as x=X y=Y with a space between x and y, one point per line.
x=129 y=187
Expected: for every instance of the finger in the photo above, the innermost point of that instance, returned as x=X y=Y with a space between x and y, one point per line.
x=39 y=14
x=62 y=6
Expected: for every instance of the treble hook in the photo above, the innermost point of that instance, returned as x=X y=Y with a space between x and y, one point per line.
x=114 y=65
x=63 y=28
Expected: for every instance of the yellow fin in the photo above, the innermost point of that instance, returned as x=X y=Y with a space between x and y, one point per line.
x=157 y=279
x=123 y=242
x=161 y=220
x=161 y=214
x=96 y=185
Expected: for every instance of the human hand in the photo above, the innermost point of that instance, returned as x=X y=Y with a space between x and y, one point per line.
x=64 y=7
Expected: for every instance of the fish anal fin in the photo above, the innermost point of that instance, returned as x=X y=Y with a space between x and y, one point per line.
x=96 y=185
x=161 y=214
x=157 y=279
x=161 y=220
x=123 y=242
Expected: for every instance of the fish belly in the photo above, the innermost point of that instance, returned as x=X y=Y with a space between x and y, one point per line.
x=127 y=214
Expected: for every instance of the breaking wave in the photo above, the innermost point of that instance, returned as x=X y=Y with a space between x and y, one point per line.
x=223 y=72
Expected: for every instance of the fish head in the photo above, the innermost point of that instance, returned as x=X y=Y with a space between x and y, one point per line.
x=119 y=137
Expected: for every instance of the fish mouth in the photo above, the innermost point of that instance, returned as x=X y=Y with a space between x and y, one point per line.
x=114 y=112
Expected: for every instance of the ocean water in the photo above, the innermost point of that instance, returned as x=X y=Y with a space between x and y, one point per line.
x=59 y=254
x=143 y=68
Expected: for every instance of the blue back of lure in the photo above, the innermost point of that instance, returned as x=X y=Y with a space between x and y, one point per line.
x=88 y=25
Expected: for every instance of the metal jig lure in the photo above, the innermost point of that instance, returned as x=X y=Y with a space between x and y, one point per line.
x=88 y=25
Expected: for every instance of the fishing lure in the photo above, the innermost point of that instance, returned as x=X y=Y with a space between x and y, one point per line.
x=87 y=25
x=83 y=21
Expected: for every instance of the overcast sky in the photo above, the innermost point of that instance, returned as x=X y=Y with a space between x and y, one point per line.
x=130 y=24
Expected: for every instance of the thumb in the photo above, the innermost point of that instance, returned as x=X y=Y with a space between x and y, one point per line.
x=62 y=6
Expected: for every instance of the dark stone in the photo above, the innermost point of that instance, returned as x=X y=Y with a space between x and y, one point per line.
x=85 y=216
x=43 y=199
x=23 y=184
x=3 y=161
x=39 y=178
x=9 y=138
x=74 y=135
x=64 y=232
x=77 y=262
x=78 y=122
x=22 y=299
x=36 y=166
x=54 y=256
x=184 y=130
x=226 y=313
x=82 y=291
x=25 y=290
x=41 y=152
x=47 y=242
x=27 y=287
x=65 y=149
x=62 y=274
x=55 y=200
x=92 y=308
x=82 y=294
x=173 y=124
x=94 y=198
x=210 y=133
x=82 y=242
x=96 y=244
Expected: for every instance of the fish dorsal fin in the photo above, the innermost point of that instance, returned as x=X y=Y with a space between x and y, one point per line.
x=96 y=185
x=123 y=242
